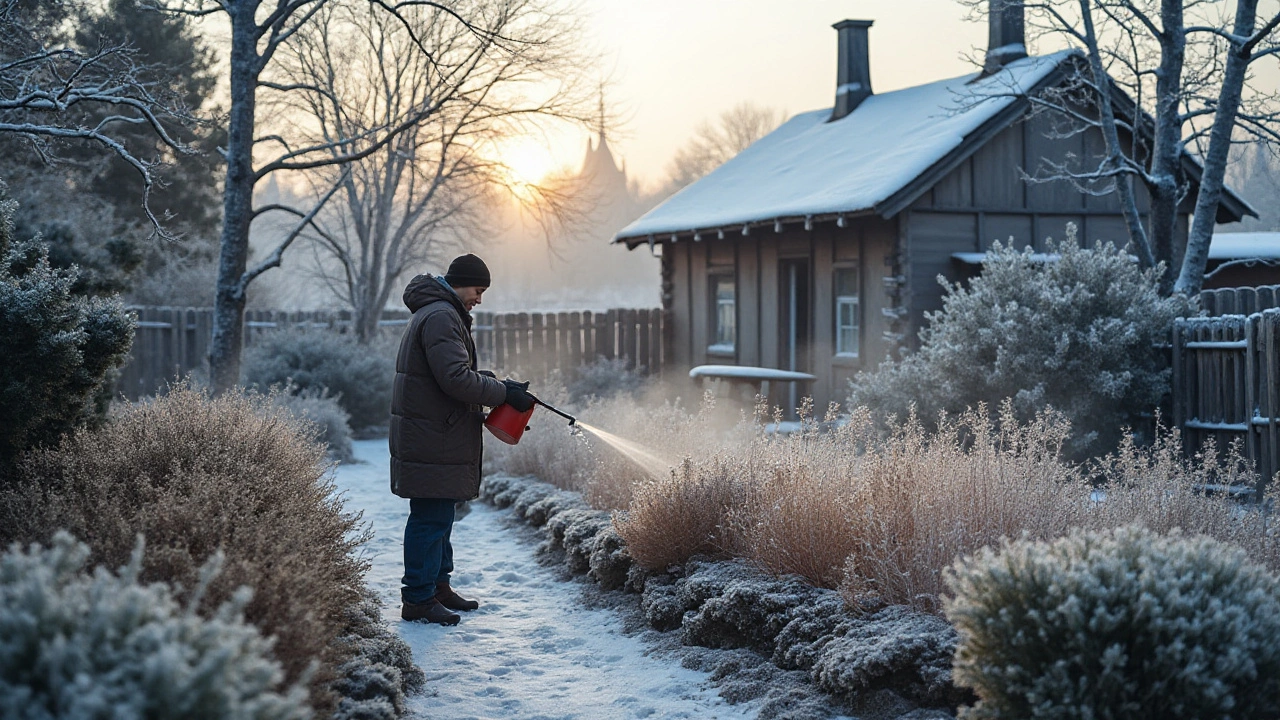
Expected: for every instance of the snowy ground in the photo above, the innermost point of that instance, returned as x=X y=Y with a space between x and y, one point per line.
x=534 y=649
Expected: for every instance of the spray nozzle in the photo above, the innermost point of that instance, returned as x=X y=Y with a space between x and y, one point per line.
x=572 y=419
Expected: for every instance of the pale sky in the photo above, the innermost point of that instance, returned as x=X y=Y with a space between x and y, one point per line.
x=678 y=62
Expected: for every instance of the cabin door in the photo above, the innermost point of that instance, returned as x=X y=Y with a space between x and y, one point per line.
x=795 y=315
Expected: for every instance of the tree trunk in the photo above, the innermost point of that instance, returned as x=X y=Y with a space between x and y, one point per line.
x=1115 y=152
x=1191 y=278
x=1166 y=168
x=237 y=206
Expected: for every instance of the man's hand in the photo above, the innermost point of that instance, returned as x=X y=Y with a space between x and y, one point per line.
x=518 y=395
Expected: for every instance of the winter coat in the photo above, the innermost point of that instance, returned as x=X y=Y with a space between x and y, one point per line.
x=436 y=405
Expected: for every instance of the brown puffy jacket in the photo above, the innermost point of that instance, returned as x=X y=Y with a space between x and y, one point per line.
x=436 y=407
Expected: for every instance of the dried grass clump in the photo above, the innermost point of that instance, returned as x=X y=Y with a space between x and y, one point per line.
x=922 y=499
x=673 y=518
x=198 y=475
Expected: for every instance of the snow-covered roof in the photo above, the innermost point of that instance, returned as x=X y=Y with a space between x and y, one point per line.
x=1232 y=246
x=810 y=166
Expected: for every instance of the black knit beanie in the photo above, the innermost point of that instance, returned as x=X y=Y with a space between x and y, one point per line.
x=467 y=271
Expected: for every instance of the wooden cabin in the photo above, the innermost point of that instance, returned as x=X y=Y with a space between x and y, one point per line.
x=818 y=249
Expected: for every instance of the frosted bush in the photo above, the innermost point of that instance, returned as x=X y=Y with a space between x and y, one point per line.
x=1078 y=334
x=1117 y=624
x=102 y=645
x=359 y=376
x=324 y=413
x=60 y=349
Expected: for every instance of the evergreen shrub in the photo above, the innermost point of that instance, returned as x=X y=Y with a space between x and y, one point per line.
x=80 y=645
x=59 y=349
x=1079 y=333
x=1123 y=623
x=359 y=376
x=197 y=476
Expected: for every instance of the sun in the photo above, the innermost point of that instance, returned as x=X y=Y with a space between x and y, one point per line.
x=527 y=161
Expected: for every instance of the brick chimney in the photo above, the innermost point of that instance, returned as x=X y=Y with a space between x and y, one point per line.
x=853 y=71
x=1006 y=35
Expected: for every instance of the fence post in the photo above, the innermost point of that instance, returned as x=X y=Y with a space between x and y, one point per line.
x=537 y=347
x=553 y=342
x=574 y=320
x=644 y=349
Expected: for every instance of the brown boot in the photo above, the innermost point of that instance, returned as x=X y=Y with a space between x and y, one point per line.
x=452 y=600
x=431 y=611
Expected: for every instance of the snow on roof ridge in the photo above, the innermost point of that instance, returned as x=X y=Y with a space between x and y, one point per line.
x=811 y=167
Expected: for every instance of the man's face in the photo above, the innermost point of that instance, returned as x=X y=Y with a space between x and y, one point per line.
x=470 y=295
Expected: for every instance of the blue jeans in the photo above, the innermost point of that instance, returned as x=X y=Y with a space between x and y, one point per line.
x=428 y=555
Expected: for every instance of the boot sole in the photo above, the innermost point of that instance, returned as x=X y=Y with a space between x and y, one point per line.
x=429 y=621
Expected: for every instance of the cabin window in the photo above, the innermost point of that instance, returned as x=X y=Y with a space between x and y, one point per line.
x=848 y=311
x=724 y=310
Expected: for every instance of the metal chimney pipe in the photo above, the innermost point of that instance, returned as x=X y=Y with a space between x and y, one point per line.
x=1006 y=35
x=853 y=71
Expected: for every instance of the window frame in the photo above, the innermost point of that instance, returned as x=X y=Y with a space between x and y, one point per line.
x=838 y=301
x=714 y=346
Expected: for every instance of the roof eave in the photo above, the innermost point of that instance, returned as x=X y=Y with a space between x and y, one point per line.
x=746 y=227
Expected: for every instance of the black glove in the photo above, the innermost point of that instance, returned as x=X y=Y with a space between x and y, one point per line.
x=518 y=395
x=488 y=373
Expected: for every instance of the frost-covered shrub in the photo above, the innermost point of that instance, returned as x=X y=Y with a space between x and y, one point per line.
x=1118 y=624
x=1078 y=333
x=59 y=349
x=197 y=476
x=324 y=412
x=359 y=376
x=605 y=379
x=103 y=645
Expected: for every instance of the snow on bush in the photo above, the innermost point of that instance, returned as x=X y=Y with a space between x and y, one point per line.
x=372 y=685
x=1122 y=623
x=60 y=350
x=359 y=376
x=1079 y=333
x=103 y=645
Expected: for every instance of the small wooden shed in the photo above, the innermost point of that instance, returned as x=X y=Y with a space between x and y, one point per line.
x=818 y=249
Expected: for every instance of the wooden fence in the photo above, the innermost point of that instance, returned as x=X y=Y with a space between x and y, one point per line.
x=174 y=342
x=1226 y=384
x=533 y=343
x=1240 y=300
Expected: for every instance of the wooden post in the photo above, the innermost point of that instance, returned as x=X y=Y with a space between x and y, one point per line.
x=627 y=344
x=1270 y=367
x=607 y=335
x=553 y=341
x=644 y=350
x=574 y=328
x=499 y=342
x=538 y=347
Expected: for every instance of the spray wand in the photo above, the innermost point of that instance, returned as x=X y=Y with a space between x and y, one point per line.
x=562 y=414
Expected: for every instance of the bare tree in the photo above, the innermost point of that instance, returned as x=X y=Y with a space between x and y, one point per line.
x=418 y=197
x=53 y=92
x=1161 y=80
x=259 y=29
x=714 y=143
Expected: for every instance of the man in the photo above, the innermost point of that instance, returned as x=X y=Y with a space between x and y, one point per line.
x=436 y=436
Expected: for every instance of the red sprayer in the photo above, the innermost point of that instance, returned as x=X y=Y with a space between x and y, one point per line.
x=508 y=424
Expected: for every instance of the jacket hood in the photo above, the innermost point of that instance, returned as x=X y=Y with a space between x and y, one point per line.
x=426 y=289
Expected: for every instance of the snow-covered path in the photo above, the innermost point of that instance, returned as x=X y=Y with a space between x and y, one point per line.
x=533 y=650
